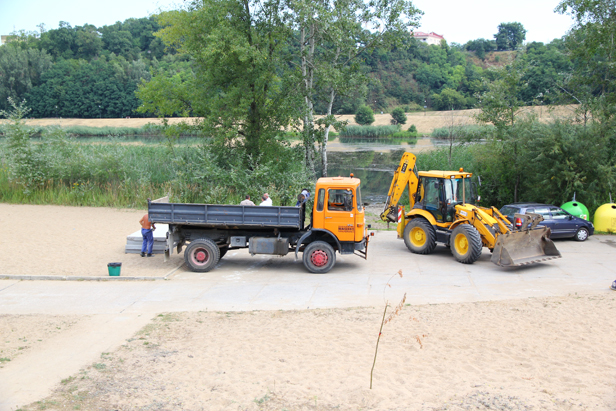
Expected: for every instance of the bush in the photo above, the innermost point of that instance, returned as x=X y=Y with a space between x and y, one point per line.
x=398 y=116
x=364 y=116
x=412 y=106
x=413 y=129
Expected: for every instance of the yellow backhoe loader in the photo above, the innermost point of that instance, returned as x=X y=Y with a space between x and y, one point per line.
x=442 y=210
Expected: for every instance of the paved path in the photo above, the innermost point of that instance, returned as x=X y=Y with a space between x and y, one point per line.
x=118 y=309
x=242 y=282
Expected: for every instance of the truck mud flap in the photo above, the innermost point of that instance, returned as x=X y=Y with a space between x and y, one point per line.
x=363 y=253
x=524 y=247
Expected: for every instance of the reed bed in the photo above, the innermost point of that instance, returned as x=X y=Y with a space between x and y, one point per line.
x=467 y=132
x=376 y=134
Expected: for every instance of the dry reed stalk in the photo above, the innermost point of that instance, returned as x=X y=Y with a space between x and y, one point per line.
x=383 y=321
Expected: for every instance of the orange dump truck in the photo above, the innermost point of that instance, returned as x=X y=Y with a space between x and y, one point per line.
x=209 y=231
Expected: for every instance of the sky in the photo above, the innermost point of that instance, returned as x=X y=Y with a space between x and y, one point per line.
x=459 y=21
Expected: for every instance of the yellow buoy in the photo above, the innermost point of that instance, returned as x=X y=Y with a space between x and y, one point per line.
x=605 y=218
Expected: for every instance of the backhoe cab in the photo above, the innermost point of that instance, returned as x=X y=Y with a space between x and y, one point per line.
x=442 y=209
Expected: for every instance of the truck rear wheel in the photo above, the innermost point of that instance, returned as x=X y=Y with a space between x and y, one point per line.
x=465 y=243
x=202 y=255
x=319 y=257
x=419 y=236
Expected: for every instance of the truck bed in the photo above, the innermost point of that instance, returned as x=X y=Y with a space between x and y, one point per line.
x=225 y=216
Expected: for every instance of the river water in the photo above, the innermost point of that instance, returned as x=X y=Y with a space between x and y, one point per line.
x=374 y=164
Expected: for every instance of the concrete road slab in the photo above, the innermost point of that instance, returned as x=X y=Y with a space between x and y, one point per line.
x=244 y=282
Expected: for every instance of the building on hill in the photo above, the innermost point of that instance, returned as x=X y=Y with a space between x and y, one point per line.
x=3 y=39
x=429 y=38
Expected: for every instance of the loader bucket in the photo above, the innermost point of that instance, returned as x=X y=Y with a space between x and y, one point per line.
x=524 y=247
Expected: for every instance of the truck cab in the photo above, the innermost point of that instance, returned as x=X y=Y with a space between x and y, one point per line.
x=338 y=224
x=338 y=208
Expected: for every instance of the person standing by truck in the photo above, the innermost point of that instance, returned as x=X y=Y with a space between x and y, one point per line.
x=147 y=232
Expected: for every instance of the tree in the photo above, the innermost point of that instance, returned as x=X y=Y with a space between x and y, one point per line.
x=592 y=49
x=398 y=116
x=241 y=87
x=480 y=47
x=500 y=106
x=20 y=71
x=88 y=42
x=364 y=116
x=60 y=42
x=448 y=99
x=81 y=89
x=510 y=36
x=331 y=38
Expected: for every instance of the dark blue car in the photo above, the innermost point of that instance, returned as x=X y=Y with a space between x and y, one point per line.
x=561 y=223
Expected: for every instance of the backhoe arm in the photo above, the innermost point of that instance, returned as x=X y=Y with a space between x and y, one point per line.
x=405 y=175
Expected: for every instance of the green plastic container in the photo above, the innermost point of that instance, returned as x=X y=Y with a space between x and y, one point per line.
x=576 y=208
x=114 y=269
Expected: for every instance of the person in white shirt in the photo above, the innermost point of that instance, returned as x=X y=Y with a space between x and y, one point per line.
x=267 y=201
x=247 y=201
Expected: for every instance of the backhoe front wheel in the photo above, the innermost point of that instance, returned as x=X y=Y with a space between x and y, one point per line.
x=465 y=243
x=420 y=236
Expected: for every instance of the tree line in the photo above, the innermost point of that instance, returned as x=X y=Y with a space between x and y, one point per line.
x=81 y=71
x=90 y=72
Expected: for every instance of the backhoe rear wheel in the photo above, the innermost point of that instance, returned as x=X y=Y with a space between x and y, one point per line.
x=465 y=243
x=420 y=236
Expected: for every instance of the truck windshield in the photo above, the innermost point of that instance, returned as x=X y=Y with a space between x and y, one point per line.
x=457 y=191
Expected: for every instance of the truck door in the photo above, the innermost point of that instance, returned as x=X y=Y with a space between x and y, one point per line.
x=360 y=217
x=338 y=214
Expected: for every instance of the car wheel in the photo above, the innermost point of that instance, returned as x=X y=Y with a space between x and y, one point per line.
x=581 y=235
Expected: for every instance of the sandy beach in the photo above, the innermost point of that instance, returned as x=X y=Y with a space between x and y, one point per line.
x=534 y=354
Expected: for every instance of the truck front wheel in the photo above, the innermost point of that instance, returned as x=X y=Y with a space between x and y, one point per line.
x=319 y=257
x=202 y=255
